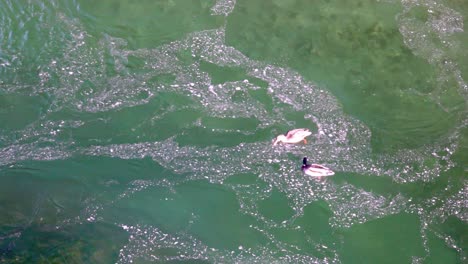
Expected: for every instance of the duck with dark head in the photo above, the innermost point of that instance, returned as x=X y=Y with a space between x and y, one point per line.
x=315 y=170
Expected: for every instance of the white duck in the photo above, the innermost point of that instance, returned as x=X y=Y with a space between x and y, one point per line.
x=293 y=136
x=315 y=170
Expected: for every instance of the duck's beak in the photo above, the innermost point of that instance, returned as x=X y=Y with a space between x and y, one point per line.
x=275 y=141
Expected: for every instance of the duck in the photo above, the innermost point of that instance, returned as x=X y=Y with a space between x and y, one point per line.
x=293 y=136
x=315 y=170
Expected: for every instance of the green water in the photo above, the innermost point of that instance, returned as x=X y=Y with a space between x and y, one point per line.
x=141 y=131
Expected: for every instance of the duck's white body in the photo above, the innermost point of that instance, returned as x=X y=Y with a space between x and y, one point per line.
x=294 y=136
x=315 y=170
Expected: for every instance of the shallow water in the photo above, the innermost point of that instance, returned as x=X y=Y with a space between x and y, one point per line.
x=138 y=132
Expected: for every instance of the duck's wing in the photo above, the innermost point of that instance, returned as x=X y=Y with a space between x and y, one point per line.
x=318 y=166
x=293 y=132
x=317 y=170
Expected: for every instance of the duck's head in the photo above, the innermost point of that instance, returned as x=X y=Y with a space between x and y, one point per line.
x=304 y=161
x=279 y=139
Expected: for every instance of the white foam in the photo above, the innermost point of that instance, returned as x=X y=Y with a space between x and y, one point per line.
x=223 y=7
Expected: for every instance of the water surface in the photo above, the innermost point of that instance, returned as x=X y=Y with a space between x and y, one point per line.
x=140 y=131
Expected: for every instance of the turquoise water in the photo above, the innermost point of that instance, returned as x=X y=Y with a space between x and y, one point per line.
x=141 y=131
